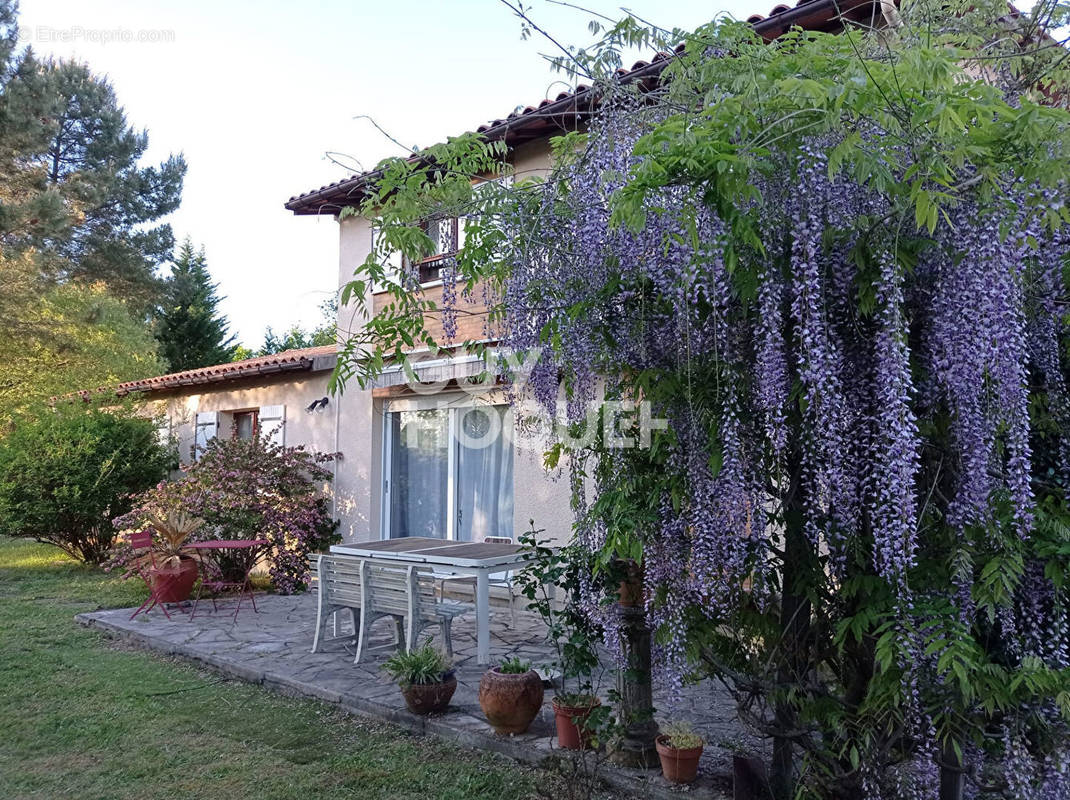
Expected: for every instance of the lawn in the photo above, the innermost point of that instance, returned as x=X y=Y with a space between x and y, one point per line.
x=83 y=717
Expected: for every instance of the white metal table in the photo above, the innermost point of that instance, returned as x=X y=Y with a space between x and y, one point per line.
x=481 y=559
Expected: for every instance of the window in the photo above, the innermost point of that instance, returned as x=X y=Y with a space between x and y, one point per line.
x=244 y=425
x=448 y=473
x=443 y=232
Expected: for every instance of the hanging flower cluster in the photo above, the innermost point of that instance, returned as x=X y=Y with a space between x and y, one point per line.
x=835 y=374
x=252 y=489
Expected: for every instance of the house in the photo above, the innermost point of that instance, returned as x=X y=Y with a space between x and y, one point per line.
x=433 y=459
x=283 y=397
x=412 y=464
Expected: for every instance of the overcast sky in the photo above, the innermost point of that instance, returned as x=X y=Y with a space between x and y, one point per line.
x=255 y=94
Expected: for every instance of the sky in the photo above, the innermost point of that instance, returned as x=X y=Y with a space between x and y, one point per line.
x=257 y=94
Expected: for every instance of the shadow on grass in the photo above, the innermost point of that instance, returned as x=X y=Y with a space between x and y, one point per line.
x=84 y=719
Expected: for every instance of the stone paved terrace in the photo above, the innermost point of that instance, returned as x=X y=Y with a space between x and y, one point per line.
x=272 y=648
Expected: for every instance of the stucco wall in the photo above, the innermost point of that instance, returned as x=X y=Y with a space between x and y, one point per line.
x=295 y=392
x=356 y=432
x=537 y=495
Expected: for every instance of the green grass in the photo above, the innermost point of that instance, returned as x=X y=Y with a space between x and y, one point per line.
x=82 y=717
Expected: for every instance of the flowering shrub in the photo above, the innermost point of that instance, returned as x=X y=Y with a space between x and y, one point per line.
x=251 y=489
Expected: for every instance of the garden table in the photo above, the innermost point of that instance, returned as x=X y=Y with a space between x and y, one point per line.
x=481 y=559
x=253 y=546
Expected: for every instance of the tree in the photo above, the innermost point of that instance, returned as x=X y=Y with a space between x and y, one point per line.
x=76 y=258
x=65 y=473
x=296 y=337
x=189 y=328
x=72 y=182
x=838 y=265
x=56 y=339
x=93 y=160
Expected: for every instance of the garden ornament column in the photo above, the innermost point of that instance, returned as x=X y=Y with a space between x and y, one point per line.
x=635 y=748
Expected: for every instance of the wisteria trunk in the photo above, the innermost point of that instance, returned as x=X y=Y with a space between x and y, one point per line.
x=795 y=610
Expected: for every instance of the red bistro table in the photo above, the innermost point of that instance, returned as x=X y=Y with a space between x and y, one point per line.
x=243 y=586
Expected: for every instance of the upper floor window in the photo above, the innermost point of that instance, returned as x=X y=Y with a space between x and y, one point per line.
x=445 y=235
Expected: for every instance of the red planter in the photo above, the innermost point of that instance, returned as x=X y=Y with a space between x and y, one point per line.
x=429 y=698
x=510 y=701
x=630 y=591
x=171 y=585
x=569 y=720
x=678 y=766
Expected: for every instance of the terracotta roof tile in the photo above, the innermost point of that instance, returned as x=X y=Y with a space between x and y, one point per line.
x=286 y=361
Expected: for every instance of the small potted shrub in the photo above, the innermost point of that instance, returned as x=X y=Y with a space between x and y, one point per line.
x=572 y=711
x=510 y=696
x=426 y=678
x=572 y=634
x=175 y=569
x=679 y=749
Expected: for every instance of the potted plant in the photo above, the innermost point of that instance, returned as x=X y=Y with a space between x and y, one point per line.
x=174 y=569
x=679 y=749
x=425 y=676
x=629 y=571
x=510 y=695
x=572 y=634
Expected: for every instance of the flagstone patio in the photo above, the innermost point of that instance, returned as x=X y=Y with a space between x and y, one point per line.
x=272 y=648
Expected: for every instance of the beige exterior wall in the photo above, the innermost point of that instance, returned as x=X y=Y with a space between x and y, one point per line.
x=351 y=424
x=537 y=495
x=294 y=391
x=357 y=430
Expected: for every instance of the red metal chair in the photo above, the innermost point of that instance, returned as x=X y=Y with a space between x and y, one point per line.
x=144 y=565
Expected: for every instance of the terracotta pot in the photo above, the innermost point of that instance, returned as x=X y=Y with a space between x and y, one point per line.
x=429 y=698
x=630 y=591
x=510 y=701
x=569 y=735
x=174 y=585
x=678 y=766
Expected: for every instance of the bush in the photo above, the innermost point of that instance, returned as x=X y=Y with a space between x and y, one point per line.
x=250 y=489
x=65 y=474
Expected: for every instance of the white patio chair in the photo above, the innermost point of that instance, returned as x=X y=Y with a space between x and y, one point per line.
x=406 y=593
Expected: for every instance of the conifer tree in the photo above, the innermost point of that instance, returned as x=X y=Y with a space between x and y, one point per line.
x=191 y=331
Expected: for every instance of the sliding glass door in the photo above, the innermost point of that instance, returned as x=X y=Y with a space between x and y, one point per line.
x=448 y=473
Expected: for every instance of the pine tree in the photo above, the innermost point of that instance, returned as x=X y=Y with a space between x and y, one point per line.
x=189 y=328
x=72 y=187
x=93 y=160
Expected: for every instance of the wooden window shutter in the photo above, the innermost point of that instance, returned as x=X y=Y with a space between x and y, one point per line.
x=206 y=428
x=272 y=422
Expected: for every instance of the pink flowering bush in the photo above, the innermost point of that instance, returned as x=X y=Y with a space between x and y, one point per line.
x=250 y=489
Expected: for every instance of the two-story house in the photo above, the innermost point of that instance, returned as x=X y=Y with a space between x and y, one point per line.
x=416 y=462
x=438 y=461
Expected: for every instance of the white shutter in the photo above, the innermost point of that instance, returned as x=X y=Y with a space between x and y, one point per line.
x=163 y=429
x=272 y=421
x=206 y=427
